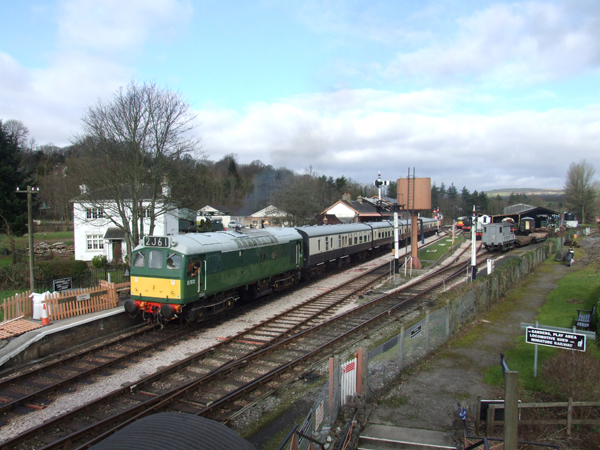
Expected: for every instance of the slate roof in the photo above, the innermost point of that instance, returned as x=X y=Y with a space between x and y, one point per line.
x=114 y=233
x=365 y=208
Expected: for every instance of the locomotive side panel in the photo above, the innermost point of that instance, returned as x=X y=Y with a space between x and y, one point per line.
x=196 y=274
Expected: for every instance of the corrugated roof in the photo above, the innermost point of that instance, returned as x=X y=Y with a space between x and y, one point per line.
x=518 y=208
x=174 y=430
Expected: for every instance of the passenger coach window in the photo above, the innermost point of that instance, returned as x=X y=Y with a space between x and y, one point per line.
x=173 y=261
x=155 y=259
x=139 y=260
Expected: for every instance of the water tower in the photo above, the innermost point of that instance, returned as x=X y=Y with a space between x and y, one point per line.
x=415 y=194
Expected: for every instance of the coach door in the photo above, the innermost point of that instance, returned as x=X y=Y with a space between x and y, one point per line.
x=296 y=254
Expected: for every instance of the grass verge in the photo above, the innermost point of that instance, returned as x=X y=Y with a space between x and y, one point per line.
x=577 y=290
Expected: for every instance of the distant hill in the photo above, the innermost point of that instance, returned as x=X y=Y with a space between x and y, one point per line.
x=527 y=191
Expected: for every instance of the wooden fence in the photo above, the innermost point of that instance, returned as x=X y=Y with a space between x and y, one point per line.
x=19 y=305
x=62 y=305
x=568 y=422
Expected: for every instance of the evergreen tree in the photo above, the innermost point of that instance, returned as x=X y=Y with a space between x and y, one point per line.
x=13 y=206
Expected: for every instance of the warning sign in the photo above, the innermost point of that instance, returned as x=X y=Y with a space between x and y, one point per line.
x=560 y=339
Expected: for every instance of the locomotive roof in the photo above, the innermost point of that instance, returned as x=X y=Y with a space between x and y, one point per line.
x=227 y=241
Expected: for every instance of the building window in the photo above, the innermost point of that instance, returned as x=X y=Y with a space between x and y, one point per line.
x=94 y=213
x=95 y=242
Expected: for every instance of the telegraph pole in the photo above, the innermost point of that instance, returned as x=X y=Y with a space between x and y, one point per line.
x=30 y=190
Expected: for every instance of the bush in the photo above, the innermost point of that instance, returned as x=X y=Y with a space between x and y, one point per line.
x=99 y=261
x=573 y=374
x=48 y=270
x=14 y=277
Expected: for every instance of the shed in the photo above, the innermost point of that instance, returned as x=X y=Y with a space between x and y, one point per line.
x=543 y=216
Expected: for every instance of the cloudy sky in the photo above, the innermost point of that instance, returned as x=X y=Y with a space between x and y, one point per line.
x=477 y=93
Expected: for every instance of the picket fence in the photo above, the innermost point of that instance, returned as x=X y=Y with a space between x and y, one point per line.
x=19 y=305
x=62 y=305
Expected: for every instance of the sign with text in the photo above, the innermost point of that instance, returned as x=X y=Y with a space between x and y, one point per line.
x=157 y=241
x=551 y=338
x=415 y=332
x=62 y=284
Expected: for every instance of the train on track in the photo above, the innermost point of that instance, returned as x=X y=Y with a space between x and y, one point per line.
x=197 y=275
x=506 y=234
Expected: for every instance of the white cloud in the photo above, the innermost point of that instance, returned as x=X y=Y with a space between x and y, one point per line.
x=523 y=148
x=513 y=43
x=51 y=99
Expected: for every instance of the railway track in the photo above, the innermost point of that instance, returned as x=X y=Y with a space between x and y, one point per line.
x=33 y=389
x=217 y=381
x=28 y=391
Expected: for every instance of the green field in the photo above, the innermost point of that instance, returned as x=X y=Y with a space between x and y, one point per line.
x=435 y=251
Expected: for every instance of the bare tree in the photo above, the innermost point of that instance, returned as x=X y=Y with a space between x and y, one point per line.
x=299 y=198
x=16 y=131
x=127 y=151
x=580 y=190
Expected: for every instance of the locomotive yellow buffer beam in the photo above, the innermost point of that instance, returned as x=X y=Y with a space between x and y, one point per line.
x=156 y=287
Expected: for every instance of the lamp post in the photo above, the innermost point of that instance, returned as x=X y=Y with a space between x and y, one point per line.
x=30 y=190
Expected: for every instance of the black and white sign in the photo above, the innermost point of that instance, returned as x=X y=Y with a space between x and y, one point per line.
x=560 y=339
x=156 y=241
x=62 y=284
x=415 y=332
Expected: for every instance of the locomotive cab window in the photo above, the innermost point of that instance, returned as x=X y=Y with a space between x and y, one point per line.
x=173 y=261
x=139 y=259
x=156 y=259
x=192 y=267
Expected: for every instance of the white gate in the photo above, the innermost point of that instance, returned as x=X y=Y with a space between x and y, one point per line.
x=348 y=381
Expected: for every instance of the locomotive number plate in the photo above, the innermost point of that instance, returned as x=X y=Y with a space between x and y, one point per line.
x=156 y=241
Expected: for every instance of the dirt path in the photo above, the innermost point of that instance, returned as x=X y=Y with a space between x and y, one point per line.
x=428 y=396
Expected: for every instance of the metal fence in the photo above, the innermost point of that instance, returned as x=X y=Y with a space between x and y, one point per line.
x=411 y=343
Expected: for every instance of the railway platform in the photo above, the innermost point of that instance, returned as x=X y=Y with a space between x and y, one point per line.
x=60 y=336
